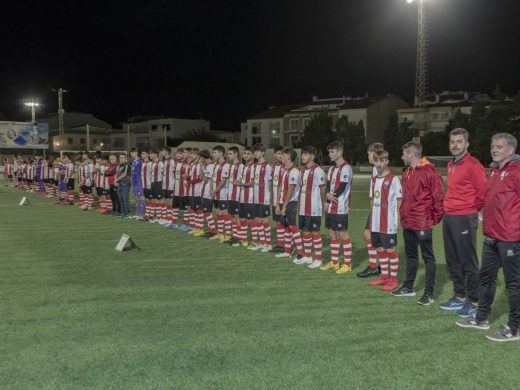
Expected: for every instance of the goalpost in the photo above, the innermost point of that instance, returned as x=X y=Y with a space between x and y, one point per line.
x=93 y=152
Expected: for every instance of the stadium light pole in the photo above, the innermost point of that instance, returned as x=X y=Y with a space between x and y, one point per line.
x=421 y=69
x=33 y=106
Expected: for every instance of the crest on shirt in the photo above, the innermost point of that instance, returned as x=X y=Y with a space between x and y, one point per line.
x=377 y=194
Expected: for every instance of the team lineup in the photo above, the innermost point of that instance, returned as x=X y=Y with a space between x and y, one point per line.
x=234 y=197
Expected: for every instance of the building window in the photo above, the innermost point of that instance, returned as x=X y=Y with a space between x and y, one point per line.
x=165 y=127
x=82 y=141
x=274 y=140
x=256 y=127
x=274 y=127
x=294 y=124
x=154 y=127
x=439 y=116
x=256 y=140
x=142 y=142
x=119 y=142
x=294 y=140
x=306 y=122
x=70 y=141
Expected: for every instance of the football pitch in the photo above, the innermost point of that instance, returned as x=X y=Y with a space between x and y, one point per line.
x=187 y=313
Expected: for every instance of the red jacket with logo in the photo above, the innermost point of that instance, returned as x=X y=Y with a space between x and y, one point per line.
x=502 y=202
x=423 y=193
x=466 y=186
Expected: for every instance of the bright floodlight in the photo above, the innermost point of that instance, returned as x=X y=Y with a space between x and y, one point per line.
x=32 y=104
x=409 y=1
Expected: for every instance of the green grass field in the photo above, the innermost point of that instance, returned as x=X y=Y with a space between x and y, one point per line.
x=188 y=313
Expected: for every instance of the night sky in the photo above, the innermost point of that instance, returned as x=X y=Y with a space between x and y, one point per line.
x=225 y=60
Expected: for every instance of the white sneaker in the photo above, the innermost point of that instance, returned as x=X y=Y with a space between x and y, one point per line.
x=283 y=255
x=83 y=208
x=257 y=248
x=315 y=264
x=303 y=260
x=266 y=249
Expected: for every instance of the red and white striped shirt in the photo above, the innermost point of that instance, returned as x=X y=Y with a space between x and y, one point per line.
x=88 y=172
x=69 y=171
x=81 y=174
x=179 y=188
x=31 y=172
x=290 y=176
x=196 y=182
x=277 y=170
x=146 y=175
x=157 y=171
x=169 y=174
x=221 y=173
x=206 y=182
x=247 y=192
x=385 y=191
x=310 y=193
x=262 y=185
x=8 y=169
x=235 y=173
x=337 y=175
x=47 y=171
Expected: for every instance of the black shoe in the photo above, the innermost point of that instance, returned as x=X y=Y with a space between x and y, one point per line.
x=277 y=249
x=207 y=235
x=231 y=241
x=403 y=292
x=369 y=272
x=425 y=300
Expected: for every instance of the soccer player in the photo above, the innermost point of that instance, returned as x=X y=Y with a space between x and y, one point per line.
x=195 y=188
x=146 y=179
x=235 y=174
x=167 y=186
x=62 y=184
x=420 y=210
x=207 y=198
x=219 y=190
x=287 y=194
x=277 y=169
x=101 y=182
x=262 y=199
x=501 y=247
x=312 y=199
x=339 y=184
x=88 y=175
x=372 y=268
x=137 y=184
x=81 y=179
x=190 y=214
x=386 y=194
x=69 y=179
x=179 y=188
x=246 y=206
x=462 y=203
x=48 y=176
x=157 y=170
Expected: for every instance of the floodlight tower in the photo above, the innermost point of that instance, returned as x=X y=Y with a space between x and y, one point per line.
x=61 y=111
x=421 y=69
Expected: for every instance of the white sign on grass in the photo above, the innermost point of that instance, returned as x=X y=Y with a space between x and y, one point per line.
x=125 y=243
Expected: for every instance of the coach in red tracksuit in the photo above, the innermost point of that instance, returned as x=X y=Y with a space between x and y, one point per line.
x=462 y=203
x=420 y=210
x=501 y=238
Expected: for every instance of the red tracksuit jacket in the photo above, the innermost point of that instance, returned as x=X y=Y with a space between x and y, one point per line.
x=423 y=193
x=466 y=186
x=502 y=202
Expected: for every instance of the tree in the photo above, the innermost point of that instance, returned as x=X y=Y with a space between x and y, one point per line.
x=201 y=135
x=392 y=140
x=319 y=133
x=353 y=136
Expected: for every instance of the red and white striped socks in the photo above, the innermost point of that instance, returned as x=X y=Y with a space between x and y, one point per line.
x=334 y=251
x=383 y=261
x=372 y=254
x=347 y=251
x=307 y=244
x=318 y=244
x=394 y=265
x=297 y=238
x=280 y=235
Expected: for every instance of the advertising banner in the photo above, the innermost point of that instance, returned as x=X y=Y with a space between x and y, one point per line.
x=23 y=135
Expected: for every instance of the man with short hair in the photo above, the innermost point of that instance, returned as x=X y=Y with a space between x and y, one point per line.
x=235 y=174
x=420 y=210
x=137 y=183
x=464 y=199
x=287 y=194
x=277 y=170
x=339 y=185
x=262 y=199
x=372 y=267
x=246 y=207
x=219 y=190
x=501 y=247
x=312 y=199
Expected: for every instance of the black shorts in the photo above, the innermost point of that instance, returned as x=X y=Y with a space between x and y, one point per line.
x=56 y=182
x=246 y=211
x=167 y=194
x=382 y=240
x=289 y=219
x=86 y=189
x=276 y=217
x=179 y=202
x=156 y=192
x=207 y=205
x=195 y=203
x=147 y=193
x=261 y=211
x=70 y=184
x=101 y=191
x=233 y=207
x=367 y=225
x=336 y=222
x=309 y=223
x=220 y=204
